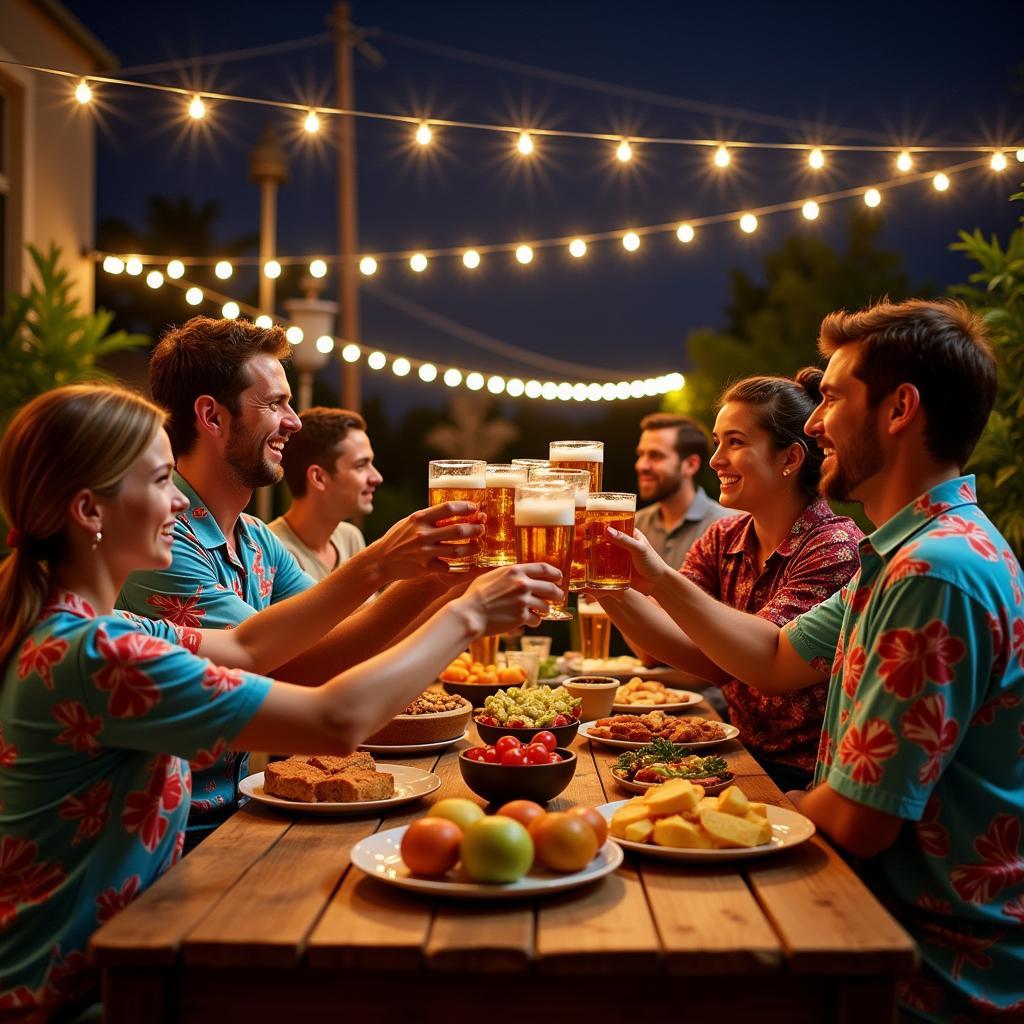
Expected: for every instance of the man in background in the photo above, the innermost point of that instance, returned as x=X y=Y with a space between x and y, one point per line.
x=671 y=451
x=330 y=472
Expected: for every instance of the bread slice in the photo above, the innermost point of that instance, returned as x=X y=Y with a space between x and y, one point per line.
x=334 y=765
x=356 y=784
x=293 y=779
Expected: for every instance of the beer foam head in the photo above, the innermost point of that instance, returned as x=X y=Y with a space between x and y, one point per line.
x=464 y=482
x=610 y=503
x=576 y=453
x=539 y=512
x=506 y=478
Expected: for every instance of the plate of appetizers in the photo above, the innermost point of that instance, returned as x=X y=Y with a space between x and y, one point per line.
x=632 y=731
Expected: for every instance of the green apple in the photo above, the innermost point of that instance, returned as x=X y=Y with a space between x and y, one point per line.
x=458 y=810
x=496 y=849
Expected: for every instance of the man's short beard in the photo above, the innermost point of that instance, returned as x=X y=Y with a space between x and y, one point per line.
x=250 y=469
x=861 y=464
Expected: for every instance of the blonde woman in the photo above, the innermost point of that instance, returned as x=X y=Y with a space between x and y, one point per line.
x=98 y=709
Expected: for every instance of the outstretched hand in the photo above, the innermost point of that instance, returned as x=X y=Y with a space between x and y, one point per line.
x=513 y=596
x=648 y=565
x=413 y=546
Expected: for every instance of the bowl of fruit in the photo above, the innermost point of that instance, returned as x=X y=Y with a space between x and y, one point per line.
x=475 y=681
x=524 y=713
x=511 y=770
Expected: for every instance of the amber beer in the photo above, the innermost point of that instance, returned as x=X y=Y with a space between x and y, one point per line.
x=595 y=629
x=588 y=455
x=545 y=517
x=580 y=479
x=457 y=480
x=498 y=544
x=608 y=565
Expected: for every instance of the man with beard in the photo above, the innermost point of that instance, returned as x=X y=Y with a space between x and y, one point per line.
x=224 y=385
x=670 y=452
x=920 y=763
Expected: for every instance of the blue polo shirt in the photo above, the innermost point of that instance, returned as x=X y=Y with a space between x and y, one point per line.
x=208 y=587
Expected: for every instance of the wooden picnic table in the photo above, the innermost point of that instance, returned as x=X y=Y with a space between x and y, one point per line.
x=268 y=921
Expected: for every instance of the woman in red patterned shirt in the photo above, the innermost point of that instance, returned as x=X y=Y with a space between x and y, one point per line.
x=784 y=553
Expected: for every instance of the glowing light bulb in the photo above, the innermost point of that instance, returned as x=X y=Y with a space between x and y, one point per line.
x=810 y=210
x=941 y=182
x=565 y=391
x=624 y=152
x=223 y=270
x=533 y=389
x=524 y=254
x=428 y=372
x=197 y=108
x=475 y=381
x=318 y=268
x=263 y=321
x=904 y=162
x=636 y=389
x=998 y=162
x=82 y=92
x=622 y=390
x=401 y=367
x=376 y=360
x=1020 y=156
x=311 y=124
x=154 y=279
x=294 y=335
x=609 y=392
x=816 y=159
x=594 y=393
x=748 y=223
x=685 y=233
x=194 y=296
x=113 y=264
x=424 y=134
x=230 y=310
x=525 y=143
x=549 y=391
x=351 y=353
x=496 y=385
x=325 y=344
x=453 y=378
x=722 y=157
x=471 y=259
x=631 y=241
x=418 y=263
x=515 y=388
x=577 y=248
x=133 y=266
x=368 y=266
x=272 y=269
x=872 y=197
x=175 y=269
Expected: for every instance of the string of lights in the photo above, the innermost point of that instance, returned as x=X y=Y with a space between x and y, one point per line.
x=524 y=252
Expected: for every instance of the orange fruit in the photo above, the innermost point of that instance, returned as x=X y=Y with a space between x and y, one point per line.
x=563 y=842
x=430 y=846
x=594 y=819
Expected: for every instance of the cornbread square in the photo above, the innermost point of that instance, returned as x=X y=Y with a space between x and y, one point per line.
x=335 y=765
x=292 y=780
x=356 y=784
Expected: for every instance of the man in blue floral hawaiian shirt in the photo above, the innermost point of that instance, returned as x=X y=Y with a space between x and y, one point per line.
x=921 y=762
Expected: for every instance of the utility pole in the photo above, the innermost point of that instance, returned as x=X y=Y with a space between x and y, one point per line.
x=348 y=235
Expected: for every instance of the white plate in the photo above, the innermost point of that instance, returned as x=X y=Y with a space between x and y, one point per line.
x=410 y=784
x=379 y=856
x=642 y=787
x=731 y=732
x=690 y=696
x=788 y=829
x=411 y=748
x=613 y=669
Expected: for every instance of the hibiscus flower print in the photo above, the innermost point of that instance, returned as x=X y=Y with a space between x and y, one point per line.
x=930 y=509
x=1015 y=909
x=180 y=611
x=864 y=749
x=80 y=730
x=926 y=725
x=825 y=748
x=220 y=680
x=966 y=492
x=142 y=810
x=974 y=533
x=933 y=904
x=968 y=949
x=986 y=714
x=920 y=992
x=266 y=586
x=1001 y=864
x=909 y=658
x=132 y=692
x=90 y=809
x=190 y=639
x=837 y=661
x=1018 y=641
x=856 y=660
x=8 y=751
x=199 y=513
x=112 y=901
x=66 y=601
x=208 y=758
x=22 y=879
x=41 y=659
x=904 y=565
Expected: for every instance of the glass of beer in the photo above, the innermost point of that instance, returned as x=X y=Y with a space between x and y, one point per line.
x=498 y=544
x=457 y=480
x=580 y=479
x=608 y=565
x=587 y=455
x=595 y=629
x=485 y=649
x=531 y=464
x=545 y=518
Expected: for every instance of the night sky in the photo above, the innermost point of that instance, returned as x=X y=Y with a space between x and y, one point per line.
x=871 y=72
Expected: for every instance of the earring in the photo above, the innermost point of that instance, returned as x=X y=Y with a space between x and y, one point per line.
x=97 y=540
x=785 y=472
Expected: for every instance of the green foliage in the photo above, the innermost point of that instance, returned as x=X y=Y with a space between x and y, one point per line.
x=46 y=342
x=996 y=292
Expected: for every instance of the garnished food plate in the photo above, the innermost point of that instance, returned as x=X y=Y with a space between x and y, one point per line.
x=688 y=699
x=730 y=731
x=639 y=770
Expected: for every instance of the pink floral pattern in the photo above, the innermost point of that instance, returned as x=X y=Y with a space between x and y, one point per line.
x=910 y=657
x=974 y=533
x=927 y=725
x=221 y=680
x=856 y=662
x=132 y=692
x=865 y=750
x=181 y=611
x=144 y=811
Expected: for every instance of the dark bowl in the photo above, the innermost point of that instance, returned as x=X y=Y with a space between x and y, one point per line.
x=475 y=693
x=499 y=783
x=564 y=734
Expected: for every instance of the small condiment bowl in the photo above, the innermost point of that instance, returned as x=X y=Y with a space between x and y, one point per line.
x=596 y=692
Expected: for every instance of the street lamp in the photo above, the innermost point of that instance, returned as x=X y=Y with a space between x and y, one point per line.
x=268 y=168
x=315 y=318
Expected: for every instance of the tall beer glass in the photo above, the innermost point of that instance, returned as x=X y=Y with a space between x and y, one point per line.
x=595 y=629
x=587 y=455
x=580 y=479
x=531 y=464
x=608 y=565
x=545 y=517
x=457 y=480
x=498 y=544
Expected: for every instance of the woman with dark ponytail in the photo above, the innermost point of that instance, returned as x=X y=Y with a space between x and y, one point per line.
x=784 y=553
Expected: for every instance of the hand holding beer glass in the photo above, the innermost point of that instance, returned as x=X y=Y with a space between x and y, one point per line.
x=545 y=517
x=457 y=480
x=498 y=544
x=580 y=479
x=609 y=567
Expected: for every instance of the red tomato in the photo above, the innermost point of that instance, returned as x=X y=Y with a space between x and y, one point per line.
x=537 y=753
x=507 y=743
x=560 y=720
x=514 y=757
x=475 y=753
x=430 y=846
x=577 y=710
x=491 y=756
x=517 y=723
x=546 y=739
